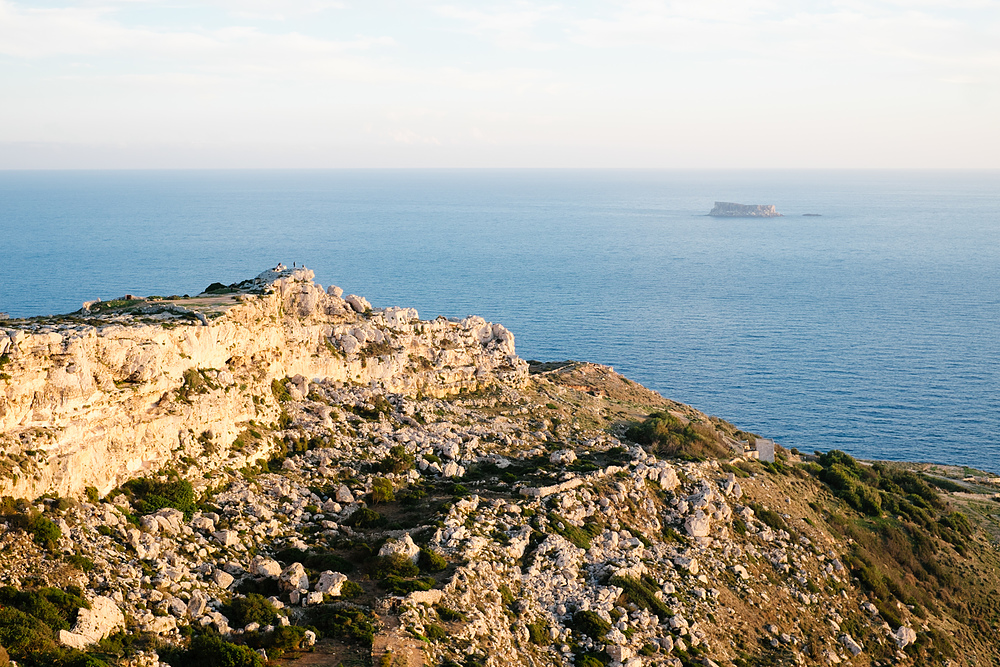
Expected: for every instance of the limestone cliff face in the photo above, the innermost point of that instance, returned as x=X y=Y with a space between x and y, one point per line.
x=93 y=399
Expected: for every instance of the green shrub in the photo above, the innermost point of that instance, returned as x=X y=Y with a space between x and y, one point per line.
x=398 y=461
x=382 y=490
x=44 y=531
x=351 y=625
x=435 y=632
x=22 y=634
x=399 y=586
x=448 y=614
x=538 y=633
x=211 y=650
x=253 y=608
x=314 y=560
x=666 y=435
x=395 y=565
x=577 y=536
x=52 y=606
x=642 y=594
x=590 y=624
x=149 y=495
x=280 y=391
x=82 y=563
x=365 y=518
x=195 y=382
x=431 y=561
x=770 y=518
x=350 y=589
x=93 y=496
x=284 y=638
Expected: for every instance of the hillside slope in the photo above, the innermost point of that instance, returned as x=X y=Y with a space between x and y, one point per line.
x=481 y=517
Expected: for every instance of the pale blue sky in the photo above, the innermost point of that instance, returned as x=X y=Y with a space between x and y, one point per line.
x=381 y=83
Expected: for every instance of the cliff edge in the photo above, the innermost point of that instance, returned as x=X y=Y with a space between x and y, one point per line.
x=101 y=395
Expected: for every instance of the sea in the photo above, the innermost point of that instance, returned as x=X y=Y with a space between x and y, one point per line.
x=872 y=327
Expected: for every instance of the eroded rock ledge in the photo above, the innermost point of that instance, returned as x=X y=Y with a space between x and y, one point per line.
x=96 y=397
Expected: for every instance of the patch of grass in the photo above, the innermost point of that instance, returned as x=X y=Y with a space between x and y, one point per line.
x=590 y=624
x=578 y=536
x=666 y=435
x=643 y=594
x=538 y=633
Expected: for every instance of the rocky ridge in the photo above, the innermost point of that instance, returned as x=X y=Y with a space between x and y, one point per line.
x=99 y=396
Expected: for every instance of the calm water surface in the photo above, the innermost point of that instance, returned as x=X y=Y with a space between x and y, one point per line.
x=874 y=328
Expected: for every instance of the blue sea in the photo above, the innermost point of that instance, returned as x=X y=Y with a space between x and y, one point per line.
x=874 y=328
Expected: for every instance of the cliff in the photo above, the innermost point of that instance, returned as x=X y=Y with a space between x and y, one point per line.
x=724 y=209
x=96 y=397
x=301 y=491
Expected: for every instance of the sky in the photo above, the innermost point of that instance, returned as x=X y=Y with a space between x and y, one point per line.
x=101 y=84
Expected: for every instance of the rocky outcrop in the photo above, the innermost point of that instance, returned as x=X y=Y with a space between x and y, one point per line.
x=94 y=624
x=101 y=396
x=725 y=209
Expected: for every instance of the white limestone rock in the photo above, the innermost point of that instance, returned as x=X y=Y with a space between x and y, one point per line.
x=294 y=577
x=344 y=495
x=562 y=457
x=358 y=303
x=330 y=583
x=222 y=578
x=94 y=624
x=227 y=538
x=698 y=524
x=851 y=645
x=904 y=636
x=265 y=567
x=404 y=546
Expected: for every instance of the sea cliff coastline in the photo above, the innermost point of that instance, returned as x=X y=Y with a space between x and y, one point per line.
x=273 y=470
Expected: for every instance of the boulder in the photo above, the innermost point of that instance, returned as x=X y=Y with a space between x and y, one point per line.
x=344 y=495
x=330 y=583
x=850 y=644
x=619 y=653
x=170 y=520
x=94 y=624
x=227 y=538
x=196 y=605
x=265 y=567
x=904 y=636
x=698 y=524
x=358 y=303
x=685 y=563
x=222 y=578
x=562 y=457
x=293 y=578
x=405 y=546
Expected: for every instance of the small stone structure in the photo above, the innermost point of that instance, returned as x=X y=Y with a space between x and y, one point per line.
x=765 y=449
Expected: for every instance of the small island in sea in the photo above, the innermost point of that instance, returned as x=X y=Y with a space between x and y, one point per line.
x=725 y=209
